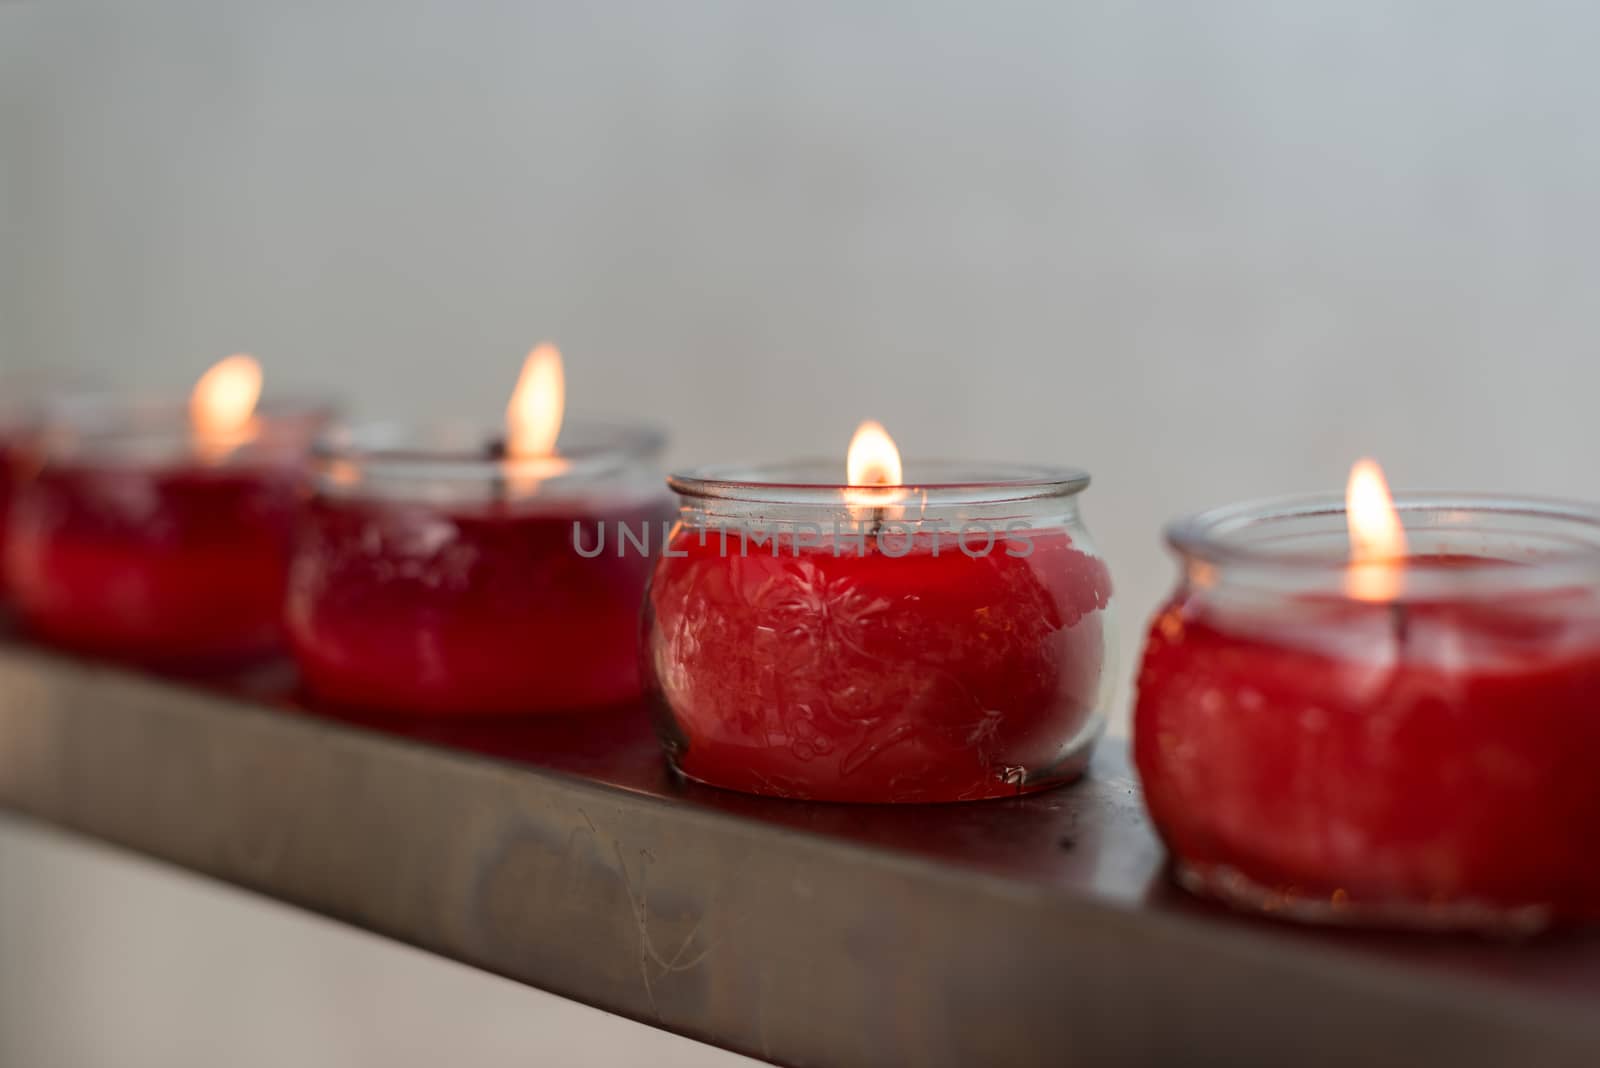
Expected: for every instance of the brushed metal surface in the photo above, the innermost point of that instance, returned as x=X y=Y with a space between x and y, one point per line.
x=562 y=854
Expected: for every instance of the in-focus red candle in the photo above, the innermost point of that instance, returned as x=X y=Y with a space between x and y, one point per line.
x=1421 y=760
x=866 y=677
x=139 y=536
x=472 y=609
x=950 y=657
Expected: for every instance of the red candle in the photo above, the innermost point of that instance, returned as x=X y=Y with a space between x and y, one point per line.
x=174 y=565
x=154 y=537
x=1408 y=745
x=450 y=573
x=26 y=404
x=474 y=609
x=917 y=654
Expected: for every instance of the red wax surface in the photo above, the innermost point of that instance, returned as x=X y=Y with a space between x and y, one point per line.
x=422 y=609
x=168 y=565
x=865 y=677
x=1431 y=765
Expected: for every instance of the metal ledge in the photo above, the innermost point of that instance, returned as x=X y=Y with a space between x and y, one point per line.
x=562 y=854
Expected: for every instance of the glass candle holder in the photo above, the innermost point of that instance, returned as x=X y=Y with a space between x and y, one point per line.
x=132 y=535
x=30 y=399
x=21 y=414
x=1423 y=760
x=435 y=577
x=946 y=641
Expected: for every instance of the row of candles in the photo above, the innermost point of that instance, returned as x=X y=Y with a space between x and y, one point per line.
x=1348 y=710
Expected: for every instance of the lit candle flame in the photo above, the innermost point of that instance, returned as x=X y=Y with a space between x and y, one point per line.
x=873 y=460
x=533 y=421
x=1377 y=540
x=223 y=404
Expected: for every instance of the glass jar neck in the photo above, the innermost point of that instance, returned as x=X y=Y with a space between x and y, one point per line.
x=1458 y=547
x=914 y=511
x=467 y=464
x=936 y=495
x=116 y=432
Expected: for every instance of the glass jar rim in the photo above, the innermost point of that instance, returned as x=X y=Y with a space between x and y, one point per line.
x=813 y=482
x=464 y=453
x=1217 y=538
x=461 y=445
x=119 y=428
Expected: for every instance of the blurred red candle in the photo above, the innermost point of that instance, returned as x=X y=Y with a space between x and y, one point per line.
x=930 y=665
x=13 y=459
x=152 y=535
x=468 y=574
x=26 y=405
x=1412 y=746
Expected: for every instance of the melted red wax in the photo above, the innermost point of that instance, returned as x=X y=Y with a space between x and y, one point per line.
x=1432 y=757
x=861 y=677
x=412 y=609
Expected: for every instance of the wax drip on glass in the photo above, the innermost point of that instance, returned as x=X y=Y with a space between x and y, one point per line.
x=1377 y=542
x=222 y=407
x=533 y=423
x=873 y=476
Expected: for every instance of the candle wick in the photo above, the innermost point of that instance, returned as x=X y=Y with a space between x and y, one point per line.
x=496 y=450
x=1399 y=623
